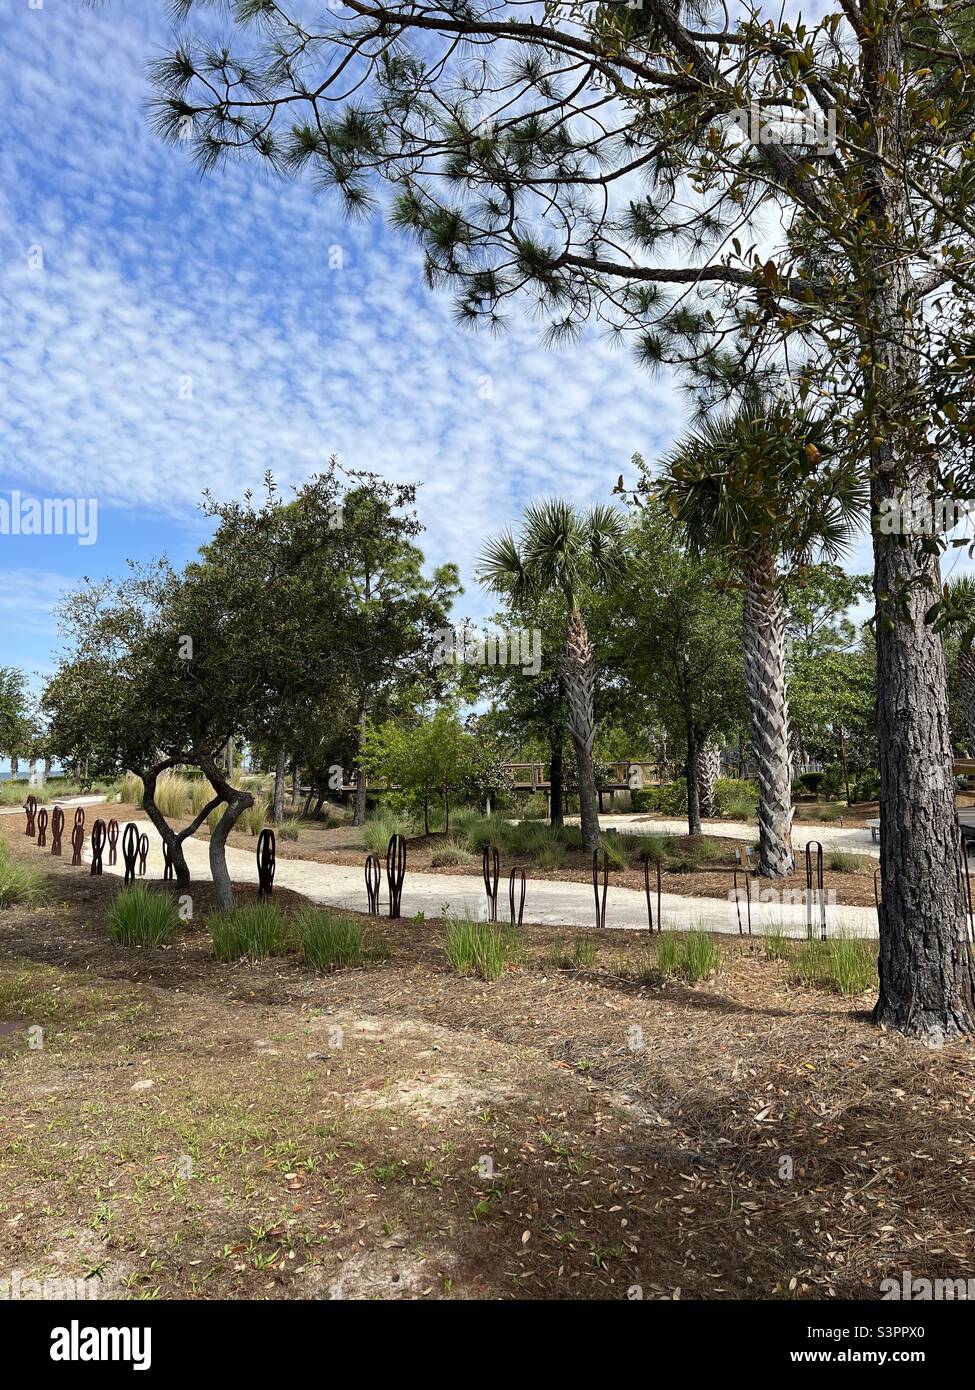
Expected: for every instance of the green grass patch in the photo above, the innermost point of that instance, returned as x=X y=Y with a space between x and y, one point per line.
x=21 y=885
x=843 y=965
x=330 y=941
x=841 y=861
x=583 y=956
x=450 y=853
x=692 y=956
x=142 y=916
x=381 y=827
x=252 y=931
x=481 y=949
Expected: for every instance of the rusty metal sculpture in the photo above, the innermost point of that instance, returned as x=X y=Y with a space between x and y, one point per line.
x=600 y=908
x=97 y=845
x=57 y=830
x=747 y=874
x=77 y=842
x=168 y=870
x=646 y=889
x=395 y=872
x=130 y=851
x=820 y=890
x=489 y=872
x=143 y=853
x=511 y=895
x=30 y=807
x=374 y=877
x=266 y=862
x=41 y=828
x=112 y=843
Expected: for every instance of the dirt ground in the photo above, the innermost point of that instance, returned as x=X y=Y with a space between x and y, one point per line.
x=191 y=1128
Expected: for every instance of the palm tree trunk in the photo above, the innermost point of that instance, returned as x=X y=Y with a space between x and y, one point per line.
x=763 y=639
x=708 y=771
x=556 y=782
x=965 y=674
x=279 y=770
x=579 y=674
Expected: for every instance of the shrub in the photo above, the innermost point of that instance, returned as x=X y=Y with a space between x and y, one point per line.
x=699 y=957
x=833 y=782
x=845 y=964
x=867 y=786
x=254 y=818
x=132 y=789
x=382 y=826
x=254 y=930
x=535 y=807
x=288 y=829
x=479 y=832
x=615 y=851
x=735 y=798
x=328 y=940
x=810 y=781
x=20 y=884
x=477 y=948
x=199 y=793
x=841 y=861
x=142 y=916
x=653 y=846
x=172 y=795
x=549 y=856
x=449 y=853
x=668 y=952
x=669 y=799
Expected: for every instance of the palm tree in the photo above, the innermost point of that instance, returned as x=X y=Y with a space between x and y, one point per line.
x=756 y=485
x=559 y=549
x=961 y=600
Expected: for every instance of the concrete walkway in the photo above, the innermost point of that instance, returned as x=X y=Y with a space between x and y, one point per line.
x=58 y=801
x=547 y=903
x=853 y=838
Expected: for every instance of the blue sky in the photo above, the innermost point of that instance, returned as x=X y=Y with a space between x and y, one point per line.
x=162 y=333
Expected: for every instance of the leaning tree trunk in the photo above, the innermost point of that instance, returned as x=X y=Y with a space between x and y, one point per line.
x=764 y=645
x=708 y=771
x=237 y=801
x=965 y=676
x=279 y=770
x=14 y=765
x=579 y=675
x=927 y=973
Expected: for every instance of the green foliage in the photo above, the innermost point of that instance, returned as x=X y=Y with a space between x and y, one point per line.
x=173 y=796
x=475 y=948
x=381 y=826
x=844 y=964
x=450 y=853
x=289 y=829
x=254 y=818
x=143 y=916
x=432 y=759
x=328 y=940
x=615 y=851
x=252 y=931
x=841 y=861
x=693 y=956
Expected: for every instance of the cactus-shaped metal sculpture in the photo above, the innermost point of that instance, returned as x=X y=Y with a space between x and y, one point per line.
x=168 y=869
x=112 y=843
x=600 y=907
x=57 y=830
x=489 y=872
x=395 y=872
x=97 y=845
x=266 y=863
x=143 y=853
x=820 y=889
x=77 y=841
x=511 y=895
x=374 y=877
x=130 y=851
x=42 y=828
x=30 y=809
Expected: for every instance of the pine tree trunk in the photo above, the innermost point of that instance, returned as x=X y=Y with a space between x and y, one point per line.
x=279 y=770
x=579 y=675
x=14 y=765
x=927 y=975
x=764 y=643
x=32 y=772
x=708 y=771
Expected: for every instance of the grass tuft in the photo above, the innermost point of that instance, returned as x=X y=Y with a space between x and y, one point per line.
x=142 y=916
x=328 y=940
x=481 y=949
x=253 y=931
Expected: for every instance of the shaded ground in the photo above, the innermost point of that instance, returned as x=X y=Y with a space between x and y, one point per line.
x=398 y=1131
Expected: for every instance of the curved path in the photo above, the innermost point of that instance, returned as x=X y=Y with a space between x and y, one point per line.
x=849 y=837
x=547 y=903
